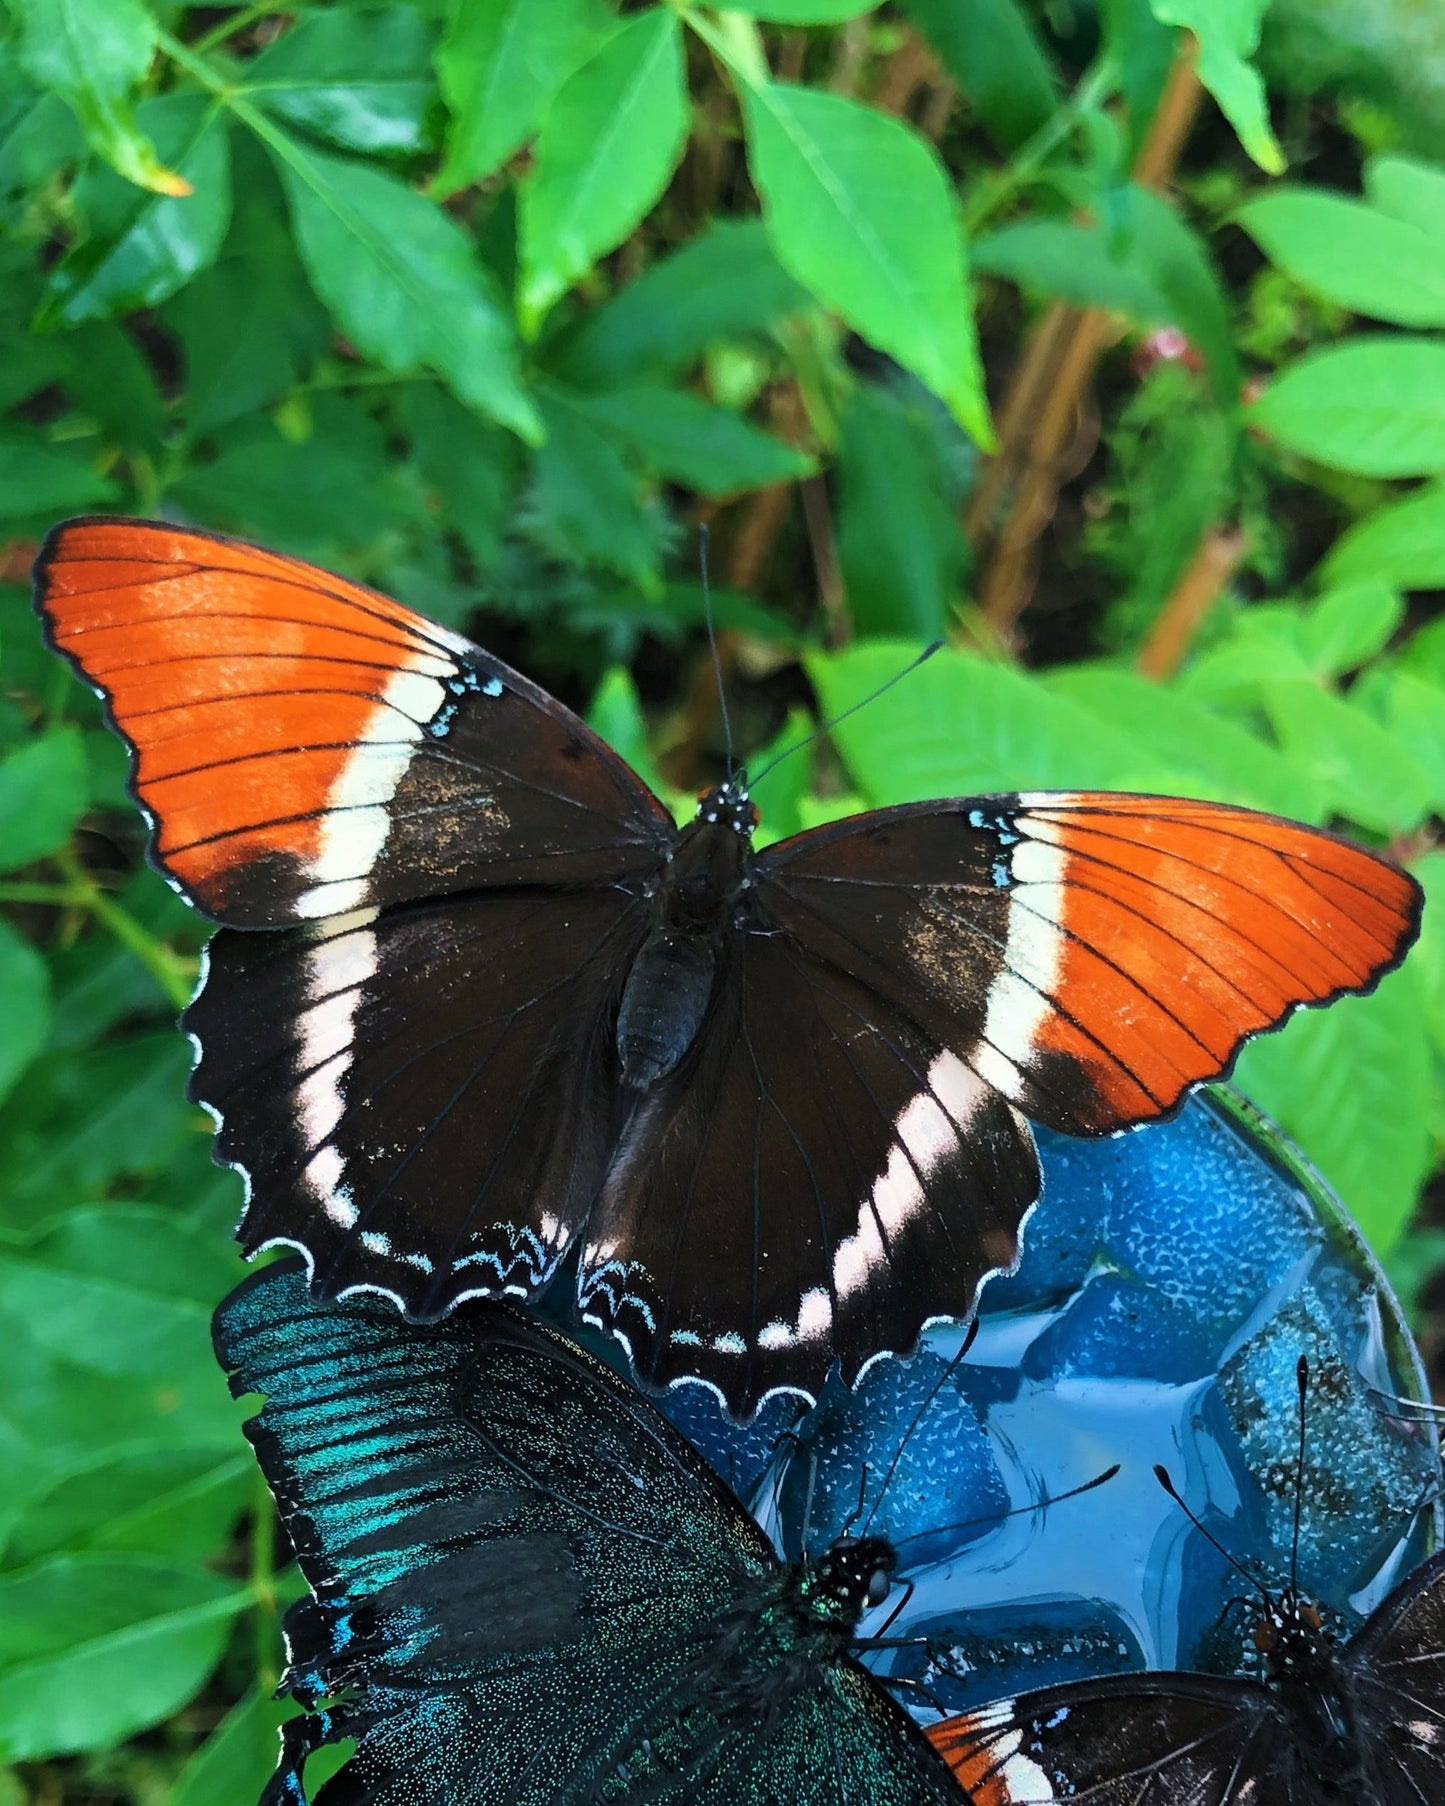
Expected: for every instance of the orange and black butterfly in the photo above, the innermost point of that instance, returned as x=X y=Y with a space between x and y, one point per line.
x=476 y=999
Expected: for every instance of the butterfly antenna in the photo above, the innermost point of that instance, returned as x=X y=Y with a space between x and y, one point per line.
x=918 y=1417
x=1018 y=1511
x=1428 y=1411
x=857 y=1511
x=808 y=1501
x=827 y=727
x=1161 y=1474
x=704 y=540
x=1302 y=1380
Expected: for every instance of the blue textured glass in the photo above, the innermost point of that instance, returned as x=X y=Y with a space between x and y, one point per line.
x=1171 y=1279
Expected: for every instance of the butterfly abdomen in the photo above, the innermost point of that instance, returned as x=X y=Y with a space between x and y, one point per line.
x=663 y=1003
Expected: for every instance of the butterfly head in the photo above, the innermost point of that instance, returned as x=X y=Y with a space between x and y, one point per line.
x=852 y=1575
x=1292 y=1638
x=728 y=805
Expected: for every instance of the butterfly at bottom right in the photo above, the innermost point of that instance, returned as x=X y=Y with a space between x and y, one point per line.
x=1326 y=1722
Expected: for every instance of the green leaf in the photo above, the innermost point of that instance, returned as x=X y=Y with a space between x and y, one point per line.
x=25 y=1016
x=1348 y=625
x=115 y=384
x=236 y=1761
x=95 y=1648
x=961 y=726
x=778 y=793
x=585 y=504
x=723 y=284
x=501 y=63
x=42 y=797
x=93 y=52
x=181 y=1503
x=1228 y=33
x=615 y=712
x=1428 y=956
x=1402 y=544
x=606 y=150
x=677 y=435
x=37 y=479
x=250 y=325
x=1375 y=406
x=803 y=12
x=859 y=210
x=1214 y=757
x=1351 y=254
x=361 y=80
x=900 y=547
x=120 y=1288
x=1351 y=1084
x=39 y=142
x=1363 y=771
x=1413 y=709
x=403 y=280
x=471 y=464
x=1409 y=191
x=163 y=239
x=77 y=1122
x=991 y=49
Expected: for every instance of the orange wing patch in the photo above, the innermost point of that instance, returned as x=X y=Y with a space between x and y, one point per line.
x=983 y=1751
x=1166 y=932
x=259 y=696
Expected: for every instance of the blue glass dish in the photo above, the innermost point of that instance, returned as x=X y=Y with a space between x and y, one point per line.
x=1171 y=1279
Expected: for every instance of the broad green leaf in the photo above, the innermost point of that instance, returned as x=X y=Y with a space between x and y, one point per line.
x=181 y=1503
x=76 y=1122
x=120 y=1288
x=724 y=284
x=1349 y=624
x=97 y=984
x=39 y=479
x=1428 y=956
x=1375 y=406
x=1351 y=254
x=901 y=549
x=470 y=462
x=41 y=140
x=94 y=1648
x=1214 y=757
x=321 y=496
x=1143 y=50
x=1413 y=709
x=1366 y=774
x=961 y=726
x=1424 y=652
x=1351 y=1084
x=785 y=768
x=1408 y=190
x=606 y=150
x=803 y=12
x=501 y=63
x=1228 y=33
x=93 y=52
x=678 y=435
x=403 y=280
x=114 y=382
x=991 y=49
x=24 y=1006
x=859 y=210
x=250 y=324
x=1402 y=544
x=615 y=712
x=163 y=239
x=361 y=80
x=233 y=1765
x=42 y=796
x=586 y=504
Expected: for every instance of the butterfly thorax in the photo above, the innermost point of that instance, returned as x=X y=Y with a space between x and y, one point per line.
x=1302 y=1664
x=670 y=984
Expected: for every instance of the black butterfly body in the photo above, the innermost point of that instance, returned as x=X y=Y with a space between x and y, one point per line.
x=476 y=1001
x=1359 y=1723
x=528 y=1588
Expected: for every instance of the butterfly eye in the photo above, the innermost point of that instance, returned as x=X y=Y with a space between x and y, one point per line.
x=879 y=1586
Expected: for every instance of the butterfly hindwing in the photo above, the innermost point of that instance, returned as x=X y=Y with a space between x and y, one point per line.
x=304 y=746
x=1397 y=1663
x=1092 y=956
x=421 y=1099
x=525 y=1583
x=816 y=1182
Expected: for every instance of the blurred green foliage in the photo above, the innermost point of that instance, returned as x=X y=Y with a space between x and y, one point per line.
x=490 y=303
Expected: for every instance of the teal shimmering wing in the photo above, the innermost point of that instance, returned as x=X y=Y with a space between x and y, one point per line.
x=524 y=1582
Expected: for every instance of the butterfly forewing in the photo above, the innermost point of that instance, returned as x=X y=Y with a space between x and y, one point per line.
x=522 y=1577
x=305 y=746
x=1092 y=956
x=1397 y=1662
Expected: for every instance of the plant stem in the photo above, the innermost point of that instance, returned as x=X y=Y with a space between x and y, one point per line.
x=228 y=28
x=263 y=1587
x=1096 y=82
x=1190 y=601
x=170 y=972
